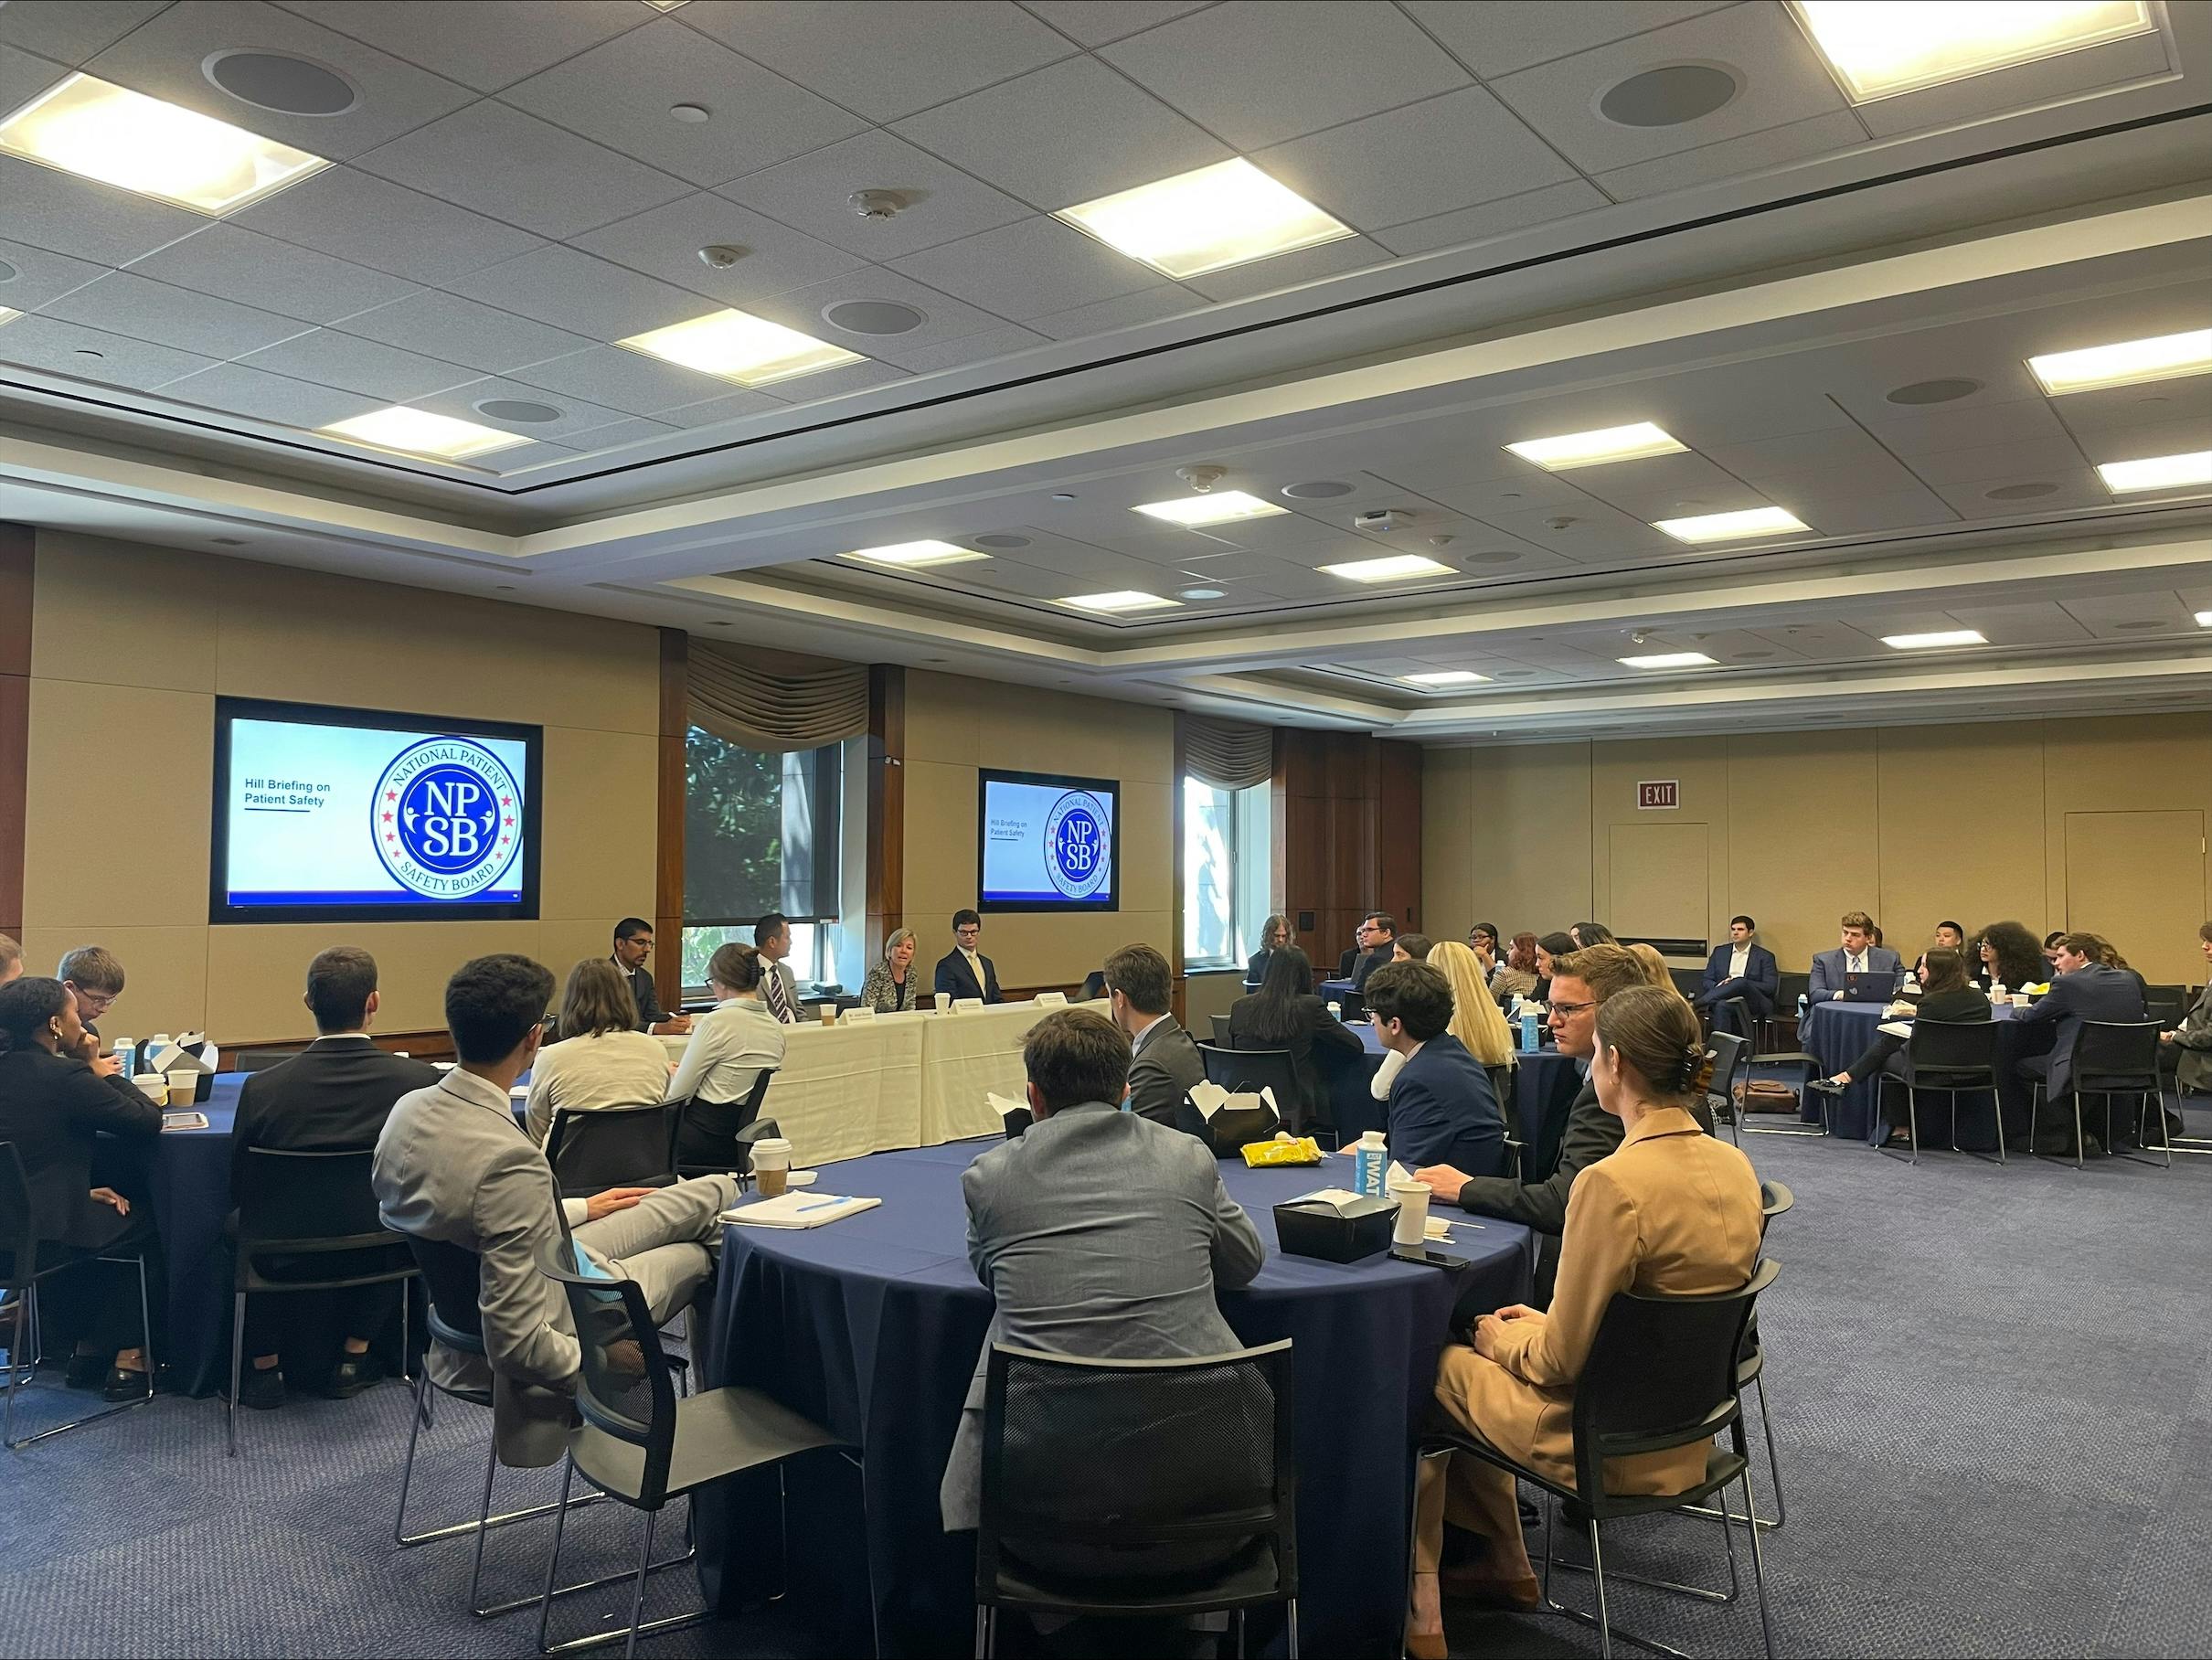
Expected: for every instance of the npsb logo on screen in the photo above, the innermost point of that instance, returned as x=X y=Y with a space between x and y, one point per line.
x=1076 y=844
x=444 y=816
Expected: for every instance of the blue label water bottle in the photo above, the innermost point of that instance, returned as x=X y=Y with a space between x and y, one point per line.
x=1528 y=1031
x=1371 y=1165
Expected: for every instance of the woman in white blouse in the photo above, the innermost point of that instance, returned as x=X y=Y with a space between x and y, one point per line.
x=602 y=1059
x=730 y=1048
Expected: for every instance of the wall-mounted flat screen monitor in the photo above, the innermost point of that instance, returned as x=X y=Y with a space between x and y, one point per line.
x=349 y=815
x=1048 y=843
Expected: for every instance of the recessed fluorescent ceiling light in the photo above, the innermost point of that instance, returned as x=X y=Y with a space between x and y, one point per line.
x=124 y=138
x=421 y=432
x=2203 y=619
x=749 y=350
x=1733 y=526
x=1670 y=660
x=1607 y=443
x=1196 y=222
x=2125 y=362
x=1397 y=567
x=1217 y=508
x=2158 y=471
x=1877 y=49
x=1448 y=677
x=6 y=315
x=909 y=556
x=1914 y=642
x=1121 y=599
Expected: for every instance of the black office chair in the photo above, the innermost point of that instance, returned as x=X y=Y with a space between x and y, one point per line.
x=642 y=1446
x=1137 y=1488
x=695 y=1149
x=1774 y=1198
x=610 y=1147
x=1249 y=1071
x=1094 y=986
x=298 y=1213
x=1724 y=1090
x=1661 y=1374
x=1761 y=1033
x=1689 y=982
x=27 y=1261
x=1947 y=1057
x=260 y=1061
x=1221 y=1037
x=2115 y=1057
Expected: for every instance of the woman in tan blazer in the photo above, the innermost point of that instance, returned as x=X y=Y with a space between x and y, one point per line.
x=1672 y=1210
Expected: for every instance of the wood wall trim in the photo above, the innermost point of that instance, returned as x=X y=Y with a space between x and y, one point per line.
x=668 y=844
x=1176 y=1005
x=887 y=805
x=17 y=561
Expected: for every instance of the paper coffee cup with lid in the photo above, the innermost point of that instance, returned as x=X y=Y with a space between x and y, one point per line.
x=153 y=1086
x=1412 y=1225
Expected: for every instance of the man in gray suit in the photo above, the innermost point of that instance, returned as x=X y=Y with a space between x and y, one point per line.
x=1099 y=1233
x=452 y=1165
x=2083 y=990
x=1859 y=955
x=1164 y=1062
x=2192 y=1038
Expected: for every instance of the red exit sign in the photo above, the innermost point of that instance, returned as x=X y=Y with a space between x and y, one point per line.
x=1660 y=792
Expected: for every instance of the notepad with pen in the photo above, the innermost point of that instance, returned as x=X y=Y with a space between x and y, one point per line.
x=798 y=1210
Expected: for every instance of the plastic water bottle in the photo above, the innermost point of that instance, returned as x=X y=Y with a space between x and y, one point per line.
x=1371 y=1165
x=1528 y=1030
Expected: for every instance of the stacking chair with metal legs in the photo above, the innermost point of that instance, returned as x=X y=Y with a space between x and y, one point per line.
x=1761 y=1033
x=295 y=1209
x=1751 y=1369
x=26 y=1262
x=2114 y=1058
x=1661 y=1374
x=1948 y=1057
x=1193 y=1511
x=610 y=1147
x=1724 y=1090
x=642 y=1446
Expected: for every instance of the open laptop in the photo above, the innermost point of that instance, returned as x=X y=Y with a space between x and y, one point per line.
x=1871 y=986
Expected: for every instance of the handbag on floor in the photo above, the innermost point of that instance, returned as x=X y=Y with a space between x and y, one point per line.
x=1768 y=1095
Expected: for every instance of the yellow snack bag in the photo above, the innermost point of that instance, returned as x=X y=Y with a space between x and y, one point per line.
x=1285 y=1149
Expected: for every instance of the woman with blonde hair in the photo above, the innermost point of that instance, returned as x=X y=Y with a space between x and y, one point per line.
x=1654 y=965
x=1475 y=1020
x=889 y=988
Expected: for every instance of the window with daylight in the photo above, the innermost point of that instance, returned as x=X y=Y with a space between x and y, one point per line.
x=1226 y=862
x=760 y=833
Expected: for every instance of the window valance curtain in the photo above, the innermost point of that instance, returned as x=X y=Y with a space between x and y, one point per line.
x=1228 y=754
x=743 y=704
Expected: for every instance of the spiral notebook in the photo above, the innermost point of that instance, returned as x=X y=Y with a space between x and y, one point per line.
x=798 y=1210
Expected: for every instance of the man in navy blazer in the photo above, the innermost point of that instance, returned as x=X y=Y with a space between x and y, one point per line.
x=1859 y=954
x=964 y=972
x=2084 y=990
x=1442 y=1110
x=1739 y=969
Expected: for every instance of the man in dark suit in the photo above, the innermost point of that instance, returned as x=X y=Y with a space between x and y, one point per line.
x=2084 y=990
x=633 y=945
x=1442 y=1110
x=1377 y=932
x=335 y=1097
x=1741 y=968
x=1098 y=1234
x=1858 y=954
x=1165 y=1063
x=964 y=972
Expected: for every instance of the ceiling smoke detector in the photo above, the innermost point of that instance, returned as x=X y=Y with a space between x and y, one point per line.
x=875 y=204
x=1202 y=479
x=720 y=256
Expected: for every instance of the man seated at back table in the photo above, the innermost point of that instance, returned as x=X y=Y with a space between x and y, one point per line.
x=1743 y=969
x=2083 y=989
x=1858 y=954
x=633 y=945
x=964 y=972
x=1099 y=1232
x=335 y=1097
x=1164 y=1064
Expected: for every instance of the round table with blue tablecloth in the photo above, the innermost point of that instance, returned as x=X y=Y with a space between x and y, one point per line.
x=1838 y=1033
x=872 y=1326
x=1544 y=1085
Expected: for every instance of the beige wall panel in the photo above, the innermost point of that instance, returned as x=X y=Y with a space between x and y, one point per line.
x=122 y=614
x=1530 y=831
x=560 y=943
x=944 y=715
x=1447 y=844
x=1148 y=840
x=97 y=853
x=600 y=794
x=164 y=973
x=1961 y=811
x=2138 y=878
x=2160 y=764
x=1802 y=842
x=940 y=846
x=256 y=973
x=1031 y=950
x=304 y=637
x=1700 y=765
x=1658 y=879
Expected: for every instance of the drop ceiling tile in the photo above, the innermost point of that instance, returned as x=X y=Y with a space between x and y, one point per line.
x=665 y=242
x=587 y=296
x=2034 y=457
x=228 y=260
x=1598 y=534
x=1412 y=163
x=2189 y=396
x=2042 y=623
x=29 y=277
x=330 y=358
x=1008 y=576
x=1857 y=513
x=619 y=434
x=2075 y=487
x=1029 y=269
x=620 y=94
x=369 y=221
x=713 y=411
x=56 y=347
x=485 y=44
x=1464 y=488
x=1238 y=70
x=834 y=383
x=1967 y=427
x=944 y=318
x=1097 y=22
x=1495 y=40
x=1493 y=219
x=1828 y=135
x=1823 y=642
x=522 y=458
x=1065 y=134
x=23 y=76
x=576 y=415
x=501 y=162
x=163 y=57
x=68 y=215
x=276 y=398
x=2107 y=616
x=1668 y=486
x=1127 y=311
x=1293 y=270
x=620 y=379
x=1000 y=342
x=2182 y=437
x=2023 y=87
x=883 y=58
x=1821 y=451
x=461 y=330
x=124 y=304
x=70 y=31
x=1779 y=81
x=811 y=193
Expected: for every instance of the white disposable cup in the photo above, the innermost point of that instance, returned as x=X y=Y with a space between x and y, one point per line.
x=183 y=1087
x=153 y=1086
x=1412 y=1225
x=941 y=1001
x=829 y=1014
x=772 y=1164
x=1336 y=1011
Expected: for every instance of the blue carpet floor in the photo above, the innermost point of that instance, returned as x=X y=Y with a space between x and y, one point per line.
x=1991 y=1389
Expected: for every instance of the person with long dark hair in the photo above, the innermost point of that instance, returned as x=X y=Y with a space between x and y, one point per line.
x=1517 y=972
x=2010 y=957
x=1549 y=950
x=1946 y=994
x=1586 y=934
x=1274 y=934
x=1284 y=1013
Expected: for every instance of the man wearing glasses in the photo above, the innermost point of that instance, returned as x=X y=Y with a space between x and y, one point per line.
x=93 y=979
